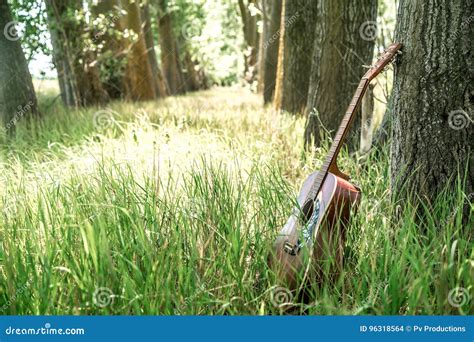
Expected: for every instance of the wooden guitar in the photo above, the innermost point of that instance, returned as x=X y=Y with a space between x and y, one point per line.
x=312 y=240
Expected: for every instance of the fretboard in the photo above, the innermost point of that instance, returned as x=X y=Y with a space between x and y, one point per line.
x=339 y=138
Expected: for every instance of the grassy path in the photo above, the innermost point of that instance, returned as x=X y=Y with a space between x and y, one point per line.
x=171 y=207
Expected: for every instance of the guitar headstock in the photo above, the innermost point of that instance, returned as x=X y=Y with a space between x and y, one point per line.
x=385 y=58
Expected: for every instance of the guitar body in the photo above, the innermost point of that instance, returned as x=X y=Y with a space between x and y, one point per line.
x=309 y=250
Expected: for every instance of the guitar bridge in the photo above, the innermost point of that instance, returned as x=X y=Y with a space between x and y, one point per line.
x=291 y=249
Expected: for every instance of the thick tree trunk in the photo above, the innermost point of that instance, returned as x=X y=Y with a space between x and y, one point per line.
x=251 y=37
x=158 y=78
x=170 y=55
x=17 y=95
x=344 y=43
x=78 y=73
x=300 y=21
x=433 y=98
x=138 y=73
x=270 y=48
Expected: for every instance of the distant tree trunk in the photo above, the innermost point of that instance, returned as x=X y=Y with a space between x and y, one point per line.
x=281 y=56
x=158 y=78
x=264 y=36
x=113 y=54
x=433 y=98
x=138 y=75
x=300 y=21
x=192 y=77
x=17 y=95
x=382 y=134
x=344 y=43
x=251 y=37
x=367 y=111
x=170 y=54
x=270 y=48
x=76 y=64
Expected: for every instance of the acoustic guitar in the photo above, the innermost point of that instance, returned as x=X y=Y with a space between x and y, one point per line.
x=311 y=242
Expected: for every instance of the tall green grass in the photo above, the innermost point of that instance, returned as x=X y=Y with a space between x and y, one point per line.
x=173 y=209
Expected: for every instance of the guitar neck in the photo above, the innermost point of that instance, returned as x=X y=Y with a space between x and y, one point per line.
x=346 y=123
x=349 y=117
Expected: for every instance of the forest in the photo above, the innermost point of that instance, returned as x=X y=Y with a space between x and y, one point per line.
x=236 y=157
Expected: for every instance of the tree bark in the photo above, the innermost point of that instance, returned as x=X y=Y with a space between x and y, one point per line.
x=138 y=73
x=341 y=50
x=158 y=78
x=113 y=54
x=170 y=54
x=300 y=20
x=433 y=98
x=78 y=73
x=17 y=94
x=270 y=49
x=251 y=37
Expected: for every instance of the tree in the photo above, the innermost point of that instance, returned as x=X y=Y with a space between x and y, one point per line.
x=75 y=61
x=250 y=20
x=111 y=49
x=270 y=49
x=17 y=94
x=169 y=50
x=139 y=80
x=160 y=83
x=344 y=43
x=433 y=96
x=299 y=37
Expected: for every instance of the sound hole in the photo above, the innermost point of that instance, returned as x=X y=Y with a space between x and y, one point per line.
x=307 y=211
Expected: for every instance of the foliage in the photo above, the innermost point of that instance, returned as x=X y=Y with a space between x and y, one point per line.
x=171 y=207
x=32 y=19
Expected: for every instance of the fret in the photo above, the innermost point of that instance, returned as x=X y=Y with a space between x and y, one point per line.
x=348 y=117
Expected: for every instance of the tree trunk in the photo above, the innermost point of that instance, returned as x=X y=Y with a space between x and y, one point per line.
x=300 y=21
x=138 y=73
x=433 y=98
x=344 y=43
x=78 y=73
x=170 y=55
x=113 y=52
x=251 y=37
x=158 y=78
x=270 y=48
x=264 y=37
x=17 y=95
x=281 y=55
